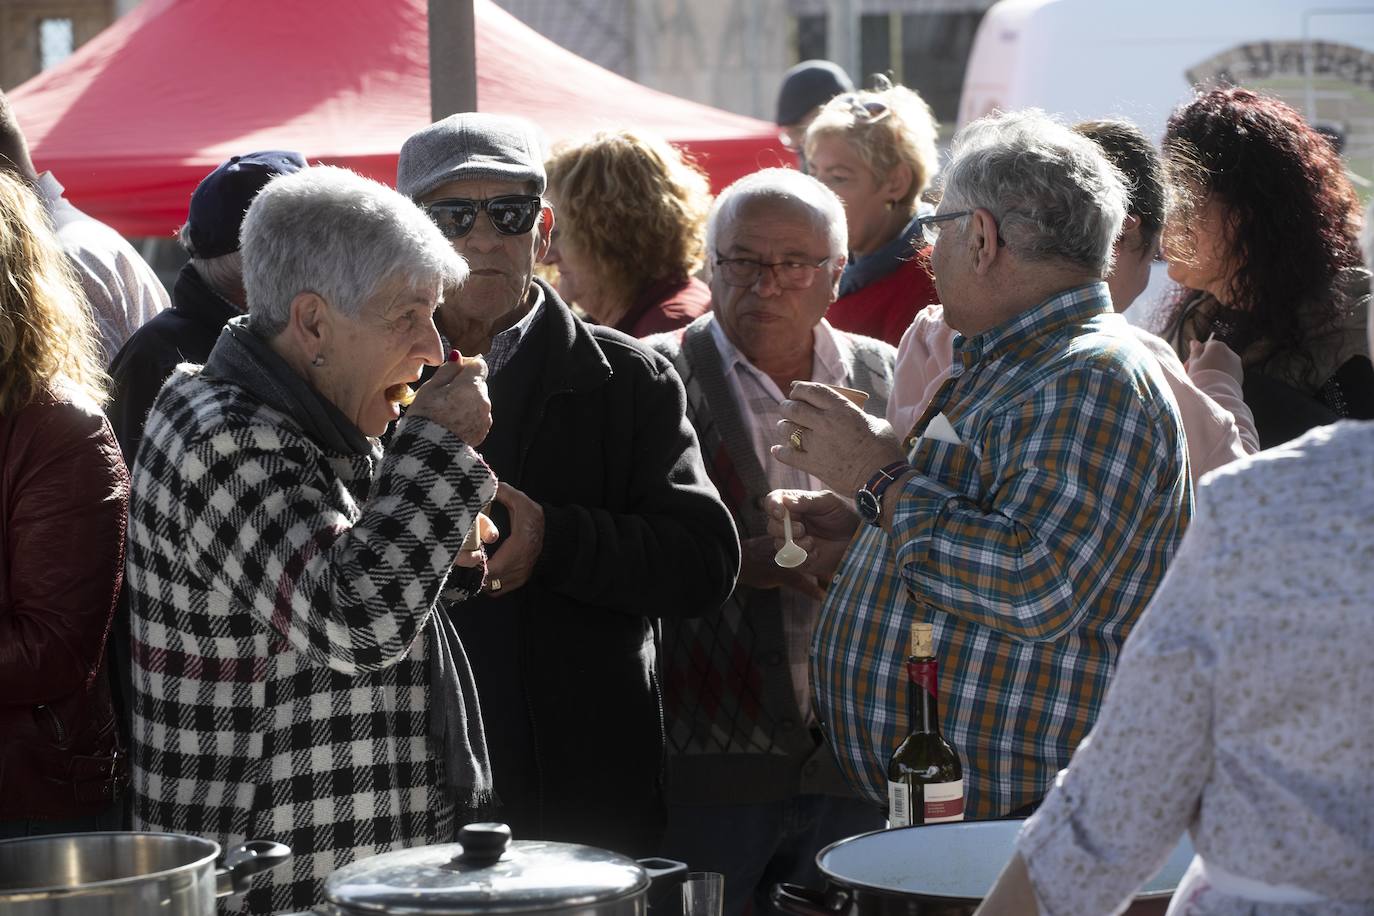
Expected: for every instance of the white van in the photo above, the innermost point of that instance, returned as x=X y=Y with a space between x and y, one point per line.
x=1097 y=58
x=1103 y=58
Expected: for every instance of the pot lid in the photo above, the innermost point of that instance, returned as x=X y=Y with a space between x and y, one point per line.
x=955 y=861
x=485 y=872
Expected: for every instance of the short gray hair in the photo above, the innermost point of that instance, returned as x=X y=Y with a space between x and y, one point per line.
x=223 y=274
x=1054 y=194
x=780 y=184
x=332 y=232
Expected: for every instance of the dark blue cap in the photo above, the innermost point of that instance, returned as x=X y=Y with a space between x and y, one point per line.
x=809 y=84
x=222 y=198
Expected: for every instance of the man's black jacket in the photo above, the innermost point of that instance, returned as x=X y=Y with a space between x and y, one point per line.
x=184 y=333
x=592 y=425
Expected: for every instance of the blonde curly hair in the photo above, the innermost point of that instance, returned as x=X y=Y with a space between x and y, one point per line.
x=635 y=205
x=886 y=127
x=47 y=335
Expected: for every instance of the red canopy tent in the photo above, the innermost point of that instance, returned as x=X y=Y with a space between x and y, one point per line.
x=133 y=120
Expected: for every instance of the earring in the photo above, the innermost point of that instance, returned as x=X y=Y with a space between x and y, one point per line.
x=892 y=204
x=318 y=361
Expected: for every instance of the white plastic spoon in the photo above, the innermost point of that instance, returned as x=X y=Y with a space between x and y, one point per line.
x=789 y=555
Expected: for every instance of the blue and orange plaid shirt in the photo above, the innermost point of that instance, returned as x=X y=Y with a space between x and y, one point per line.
x=1032 y=546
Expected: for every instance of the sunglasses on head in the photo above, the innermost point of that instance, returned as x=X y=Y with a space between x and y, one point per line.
x=513 y=214
x=867 y=112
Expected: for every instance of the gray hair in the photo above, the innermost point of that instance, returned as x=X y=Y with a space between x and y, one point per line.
x=332 y=232
x=1054 y=194
x=223 y=274
x=780 y=184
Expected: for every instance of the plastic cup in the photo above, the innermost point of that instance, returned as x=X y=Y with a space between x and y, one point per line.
x=703 y=893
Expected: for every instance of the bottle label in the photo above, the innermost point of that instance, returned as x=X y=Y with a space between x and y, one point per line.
x=944 y=801
x=941 y=802
x=898 y=804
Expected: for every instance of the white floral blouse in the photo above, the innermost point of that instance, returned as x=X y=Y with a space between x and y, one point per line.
x=1242 y=709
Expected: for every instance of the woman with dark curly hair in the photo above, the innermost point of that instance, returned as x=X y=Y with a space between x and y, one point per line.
x=1267 y=249
x=631 y=215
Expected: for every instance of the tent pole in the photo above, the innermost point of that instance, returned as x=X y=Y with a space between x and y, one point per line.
x=452 y=58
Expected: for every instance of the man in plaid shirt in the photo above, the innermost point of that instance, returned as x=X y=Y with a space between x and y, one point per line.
x=1034 y=507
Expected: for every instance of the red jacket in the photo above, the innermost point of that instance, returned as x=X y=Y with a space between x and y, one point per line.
x=63 y=497
x=666 y=305
x=884 y=308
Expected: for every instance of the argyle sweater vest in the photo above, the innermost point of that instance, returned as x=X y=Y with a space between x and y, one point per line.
x=735 y=733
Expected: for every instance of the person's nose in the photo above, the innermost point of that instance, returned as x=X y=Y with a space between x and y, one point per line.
x=428 y=346
x=483 y=237
x=767 y=282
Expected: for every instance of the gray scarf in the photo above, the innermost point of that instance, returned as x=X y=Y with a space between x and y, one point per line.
x=455 y=717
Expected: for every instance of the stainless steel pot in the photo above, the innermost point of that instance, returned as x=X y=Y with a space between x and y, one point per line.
x=935 y=870
x=486 y=873
x=125 y=874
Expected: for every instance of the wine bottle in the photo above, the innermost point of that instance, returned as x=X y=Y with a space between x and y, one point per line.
x=925 y=779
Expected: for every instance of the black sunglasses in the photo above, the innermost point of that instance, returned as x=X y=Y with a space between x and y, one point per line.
x=513 y=214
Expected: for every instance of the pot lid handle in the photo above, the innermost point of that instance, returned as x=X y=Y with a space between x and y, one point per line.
x=483 y=843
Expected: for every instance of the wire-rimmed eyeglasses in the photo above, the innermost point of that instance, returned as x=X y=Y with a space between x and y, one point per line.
x=930 y=226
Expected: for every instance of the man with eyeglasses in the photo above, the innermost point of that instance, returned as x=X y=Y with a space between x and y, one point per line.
x=1031 y=511
x=753 y=789
x=608 y=519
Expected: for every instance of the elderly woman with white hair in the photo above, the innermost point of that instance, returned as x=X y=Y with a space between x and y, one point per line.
x=293 y=681
x=1239 y=711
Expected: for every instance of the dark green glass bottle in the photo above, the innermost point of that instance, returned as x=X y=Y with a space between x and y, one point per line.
x=925 y=780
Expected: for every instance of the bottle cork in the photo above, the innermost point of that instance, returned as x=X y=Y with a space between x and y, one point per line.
x=922 y=640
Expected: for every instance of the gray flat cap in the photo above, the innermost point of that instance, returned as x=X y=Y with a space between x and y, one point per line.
x=471 y=145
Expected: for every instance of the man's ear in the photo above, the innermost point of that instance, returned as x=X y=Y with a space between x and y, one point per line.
x=546 y=222
x=836 y=271
x=984 y=237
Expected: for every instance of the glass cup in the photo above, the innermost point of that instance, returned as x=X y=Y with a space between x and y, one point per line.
x=703 y=893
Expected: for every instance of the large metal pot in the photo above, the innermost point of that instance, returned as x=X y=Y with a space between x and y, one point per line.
x=935 y=870
x=486 y=873
x=125 y=874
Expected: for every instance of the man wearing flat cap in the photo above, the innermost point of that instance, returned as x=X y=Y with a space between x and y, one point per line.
x=608 y=518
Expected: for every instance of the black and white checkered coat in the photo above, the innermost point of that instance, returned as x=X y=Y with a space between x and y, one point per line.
x=278 y=594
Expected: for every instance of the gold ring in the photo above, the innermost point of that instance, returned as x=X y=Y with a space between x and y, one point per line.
x=796 y=440
x=494 y=583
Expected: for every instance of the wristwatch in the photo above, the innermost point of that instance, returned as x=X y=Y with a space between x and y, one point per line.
x=869 y=499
